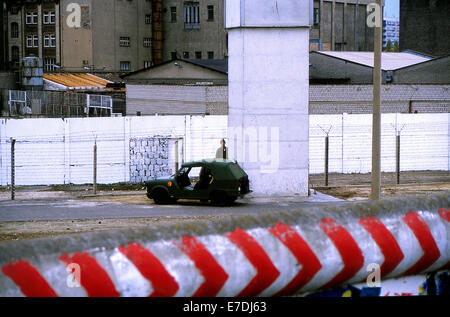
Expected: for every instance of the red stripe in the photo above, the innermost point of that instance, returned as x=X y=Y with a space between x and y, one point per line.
x=215 y=276
x=93 y=277
x=266 y=272
x=302 y=252
x=28 y=278
x=392 y=253
x=430 y=250
x=164 y=285
x=445 y=214
x=350 y=252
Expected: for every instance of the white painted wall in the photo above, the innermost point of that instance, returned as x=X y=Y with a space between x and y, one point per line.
x=424 y=143
x=57 y=151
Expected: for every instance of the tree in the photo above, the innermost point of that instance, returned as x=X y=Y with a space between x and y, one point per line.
x=389 y=47
x=396 y=47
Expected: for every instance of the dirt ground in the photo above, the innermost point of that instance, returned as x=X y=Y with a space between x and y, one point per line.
x=343 y=186
x=24 y=230
x=357 y=186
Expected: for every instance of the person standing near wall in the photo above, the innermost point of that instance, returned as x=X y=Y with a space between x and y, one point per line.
x=222 y=151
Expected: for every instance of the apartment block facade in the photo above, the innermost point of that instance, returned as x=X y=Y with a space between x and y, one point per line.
x=391 y=31
x=81 y=35
x=340 y=25
x=114 y=36
x=127 y=35
x=195 y=29
x=33 y=29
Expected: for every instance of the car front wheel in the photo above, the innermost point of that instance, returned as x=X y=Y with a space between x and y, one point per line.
x=160 y=196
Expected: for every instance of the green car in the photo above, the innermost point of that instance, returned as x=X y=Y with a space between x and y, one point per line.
x=217 y=180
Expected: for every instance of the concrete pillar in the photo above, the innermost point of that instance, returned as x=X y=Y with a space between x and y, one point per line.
x=268 y=92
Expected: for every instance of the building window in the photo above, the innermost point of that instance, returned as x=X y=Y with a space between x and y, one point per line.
x=14 y=30
x=210 y=13
x=185 y=54
x=316 y=16
x=147 y=41
x=124 y=41
x=46 y=40
x=173 y=14
x=173 y=55
x=31 y=18
x=29 y=41
x=49 y=64
x=32 y=41
x=49 y=40
x=49 y=17
x=210 y=55
x=125 y=65
x=191 y=15
x=147 y=64
x=198 y=55
x=148 y=19
x=15 y=54
x=52 y=40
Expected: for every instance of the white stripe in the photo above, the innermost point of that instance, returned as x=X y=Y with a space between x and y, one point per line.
x=233 y=261
x=369 y=248
x=439 y=229
x=326 y=252
x=54 y=271
x=281 y=258
x=407 y=242
x=178 y=265
x=130 y=282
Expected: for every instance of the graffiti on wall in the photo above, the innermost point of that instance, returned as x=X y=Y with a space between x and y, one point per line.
x=149 y=158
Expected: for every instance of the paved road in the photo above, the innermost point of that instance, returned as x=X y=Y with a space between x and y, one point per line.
x=71 y=209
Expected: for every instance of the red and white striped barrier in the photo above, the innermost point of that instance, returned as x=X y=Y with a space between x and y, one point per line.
x=272 y=254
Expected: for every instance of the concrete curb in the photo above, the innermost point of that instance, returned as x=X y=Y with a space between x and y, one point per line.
x=265 y=255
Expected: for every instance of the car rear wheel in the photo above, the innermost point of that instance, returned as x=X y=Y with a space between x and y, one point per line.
x=219 y=198
x=231 y=200
x=161 y=196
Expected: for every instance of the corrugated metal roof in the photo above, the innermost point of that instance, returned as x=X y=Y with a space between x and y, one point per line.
x=77 y=80
x=389 y=61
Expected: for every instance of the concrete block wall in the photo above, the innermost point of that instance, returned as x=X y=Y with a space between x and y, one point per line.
x=177 y=99
x=149 y=158
x=357 y=99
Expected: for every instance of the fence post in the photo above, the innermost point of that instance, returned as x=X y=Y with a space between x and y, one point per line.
x=397 y=156
x=95 y=168
x=326 y=159
x=176 y=156
x=13 y=163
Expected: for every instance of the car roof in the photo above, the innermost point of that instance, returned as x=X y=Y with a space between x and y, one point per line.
x=220 y=168
x=216 y=161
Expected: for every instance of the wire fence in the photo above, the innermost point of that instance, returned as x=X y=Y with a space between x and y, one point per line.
x=18 y=103
x=136 y=149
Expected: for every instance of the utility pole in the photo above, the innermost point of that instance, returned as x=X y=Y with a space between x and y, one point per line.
x=376 y=116
x=95 y=168
x=327 y=143
x=13 y=170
